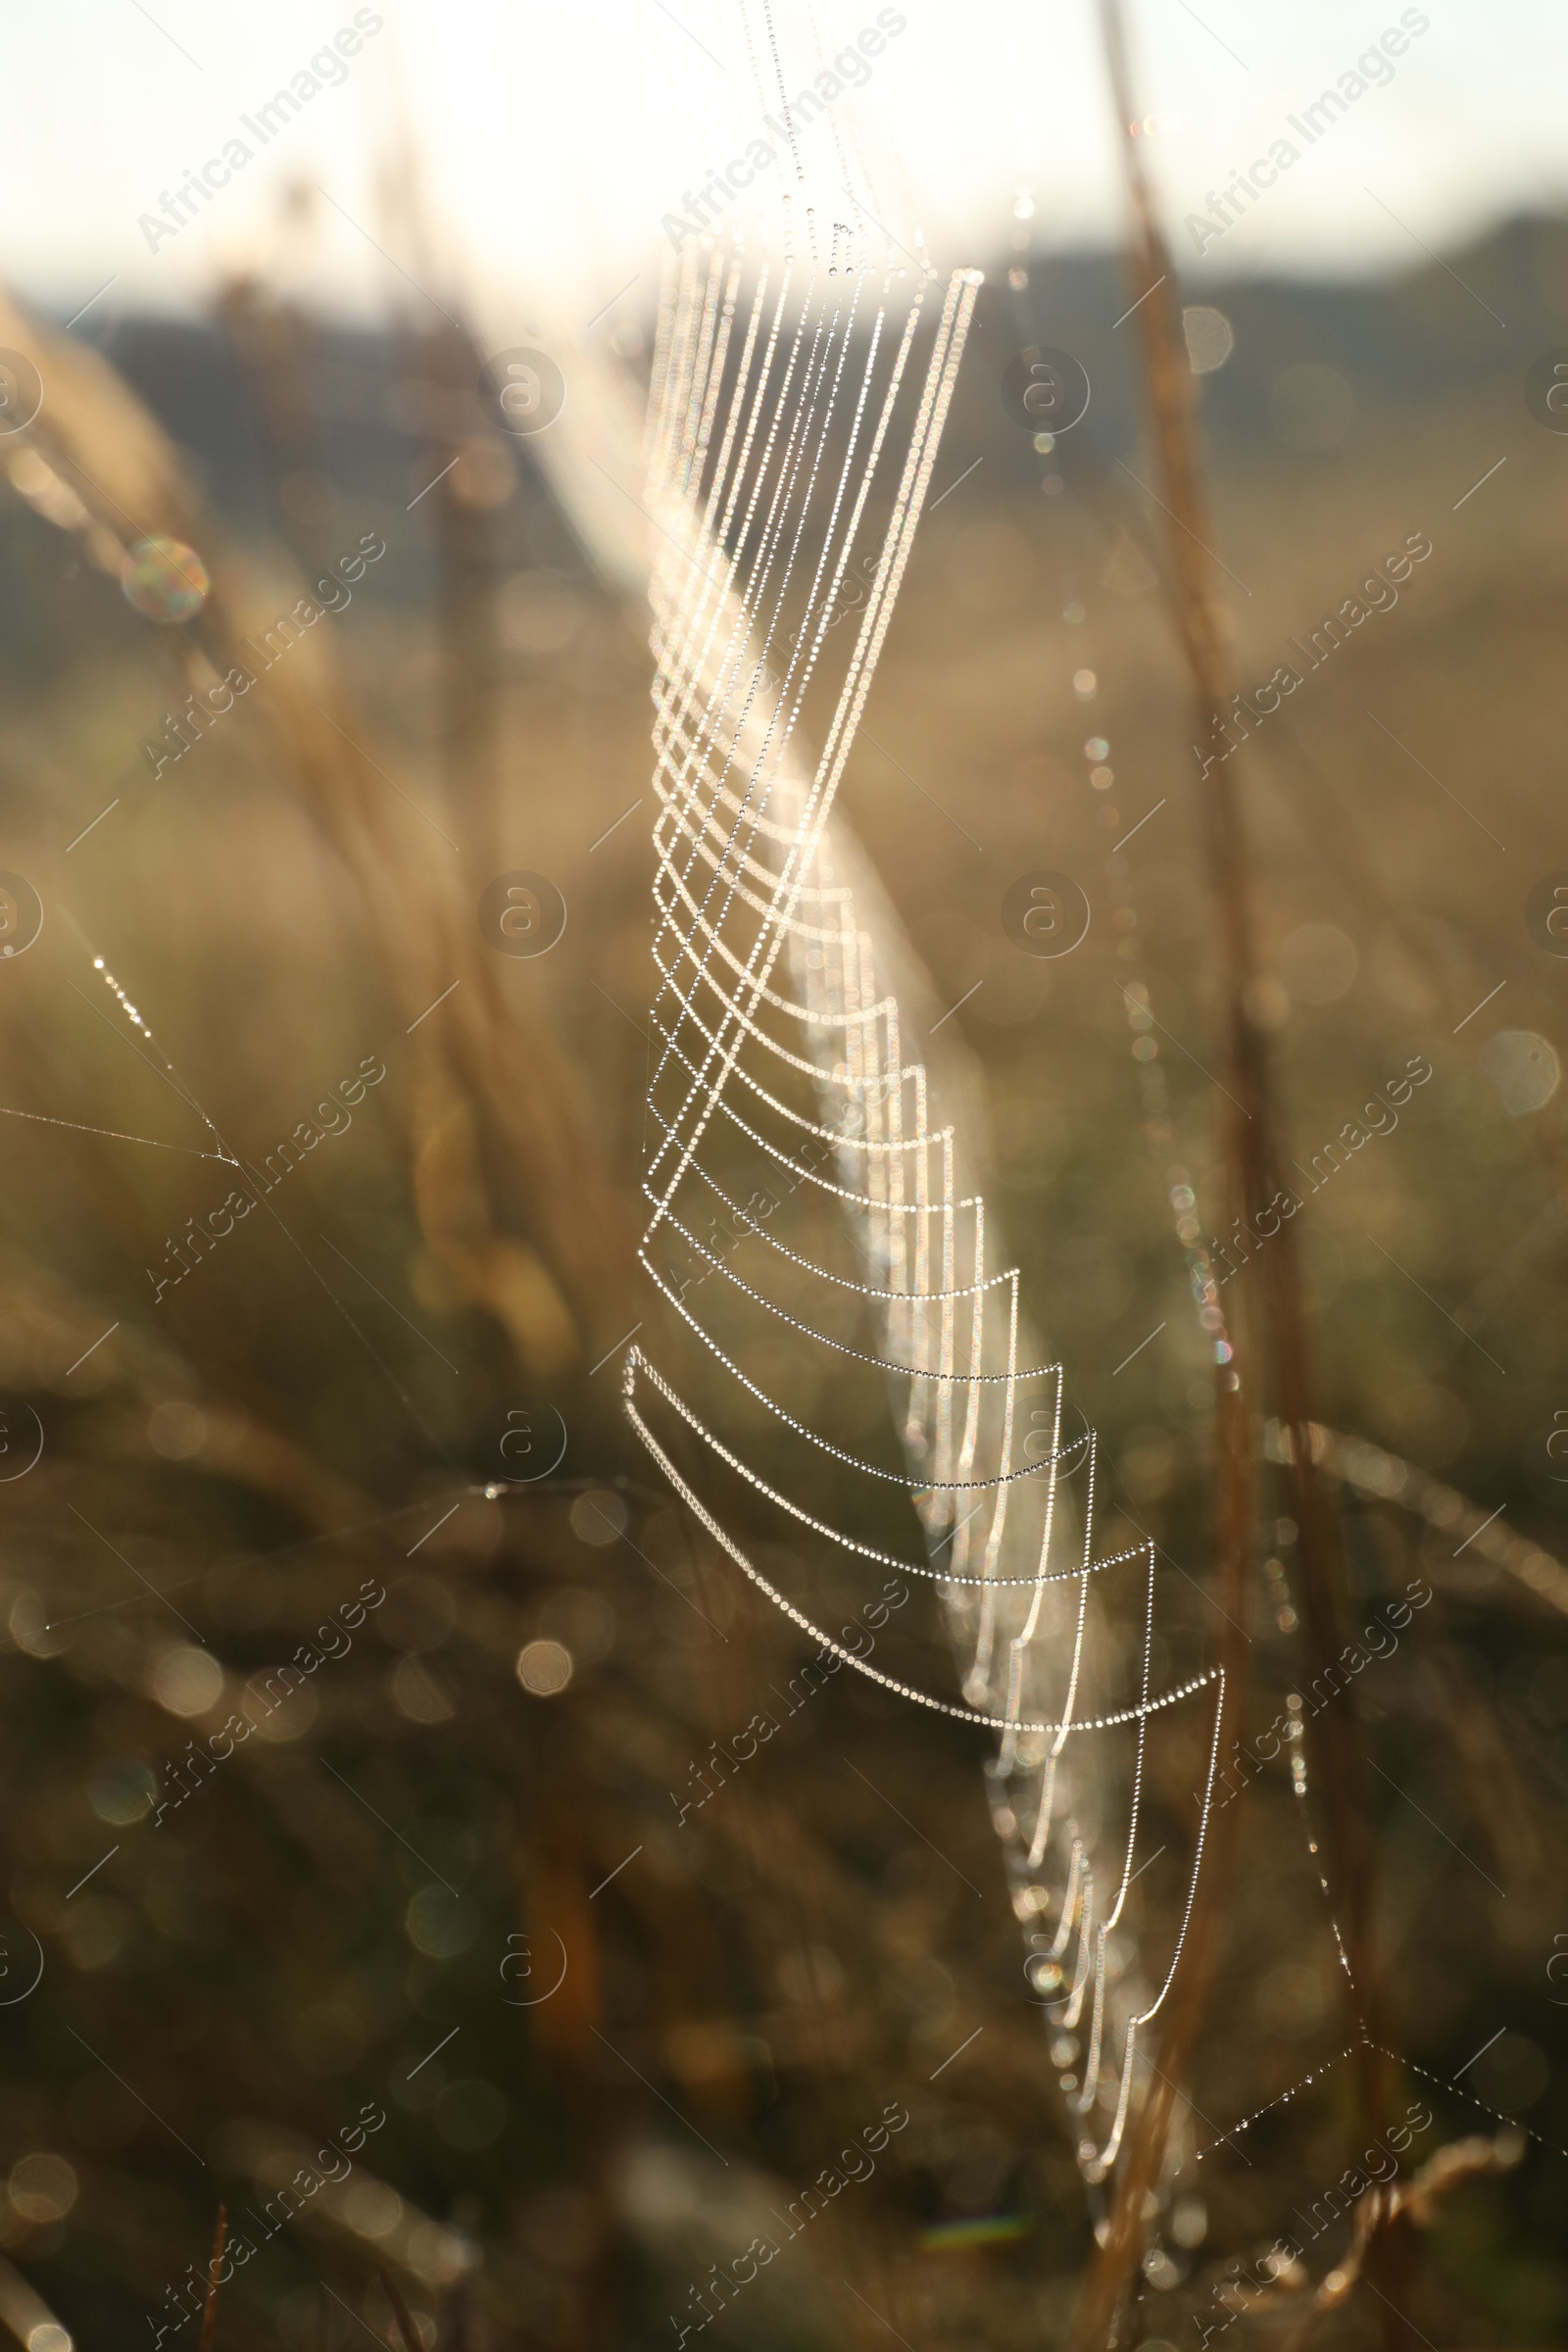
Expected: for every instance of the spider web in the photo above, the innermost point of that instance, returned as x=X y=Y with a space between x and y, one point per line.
x=814 y=1219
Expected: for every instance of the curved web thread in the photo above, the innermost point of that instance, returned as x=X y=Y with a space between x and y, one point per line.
x=797 y=413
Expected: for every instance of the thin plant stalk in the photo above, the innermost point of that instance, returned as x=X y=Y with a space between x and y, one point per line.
x=410 y=2334
x=1270 y=1345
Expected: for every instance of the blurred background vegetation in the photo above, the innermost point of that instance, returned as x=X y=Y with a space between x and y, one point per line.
x=365 y=1904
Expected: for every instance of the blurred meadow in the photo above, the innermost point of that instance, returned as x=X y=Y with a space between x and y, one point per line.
x=475 y=1905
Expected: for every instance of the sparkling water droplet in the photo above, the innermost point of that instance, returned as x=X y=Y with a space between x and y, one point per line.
x=165 y=579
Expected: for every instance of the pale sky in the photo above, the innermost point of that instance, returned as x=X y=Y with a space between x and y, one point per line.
x=554 y=139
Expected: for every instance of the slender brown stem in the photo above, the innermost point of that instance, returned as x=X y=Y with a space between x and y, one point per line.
x=1275 y=1352
x=412 y=2340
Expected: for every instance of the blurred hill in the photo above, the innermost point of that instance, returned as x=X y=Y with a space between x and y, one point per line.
x=1412 y=339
